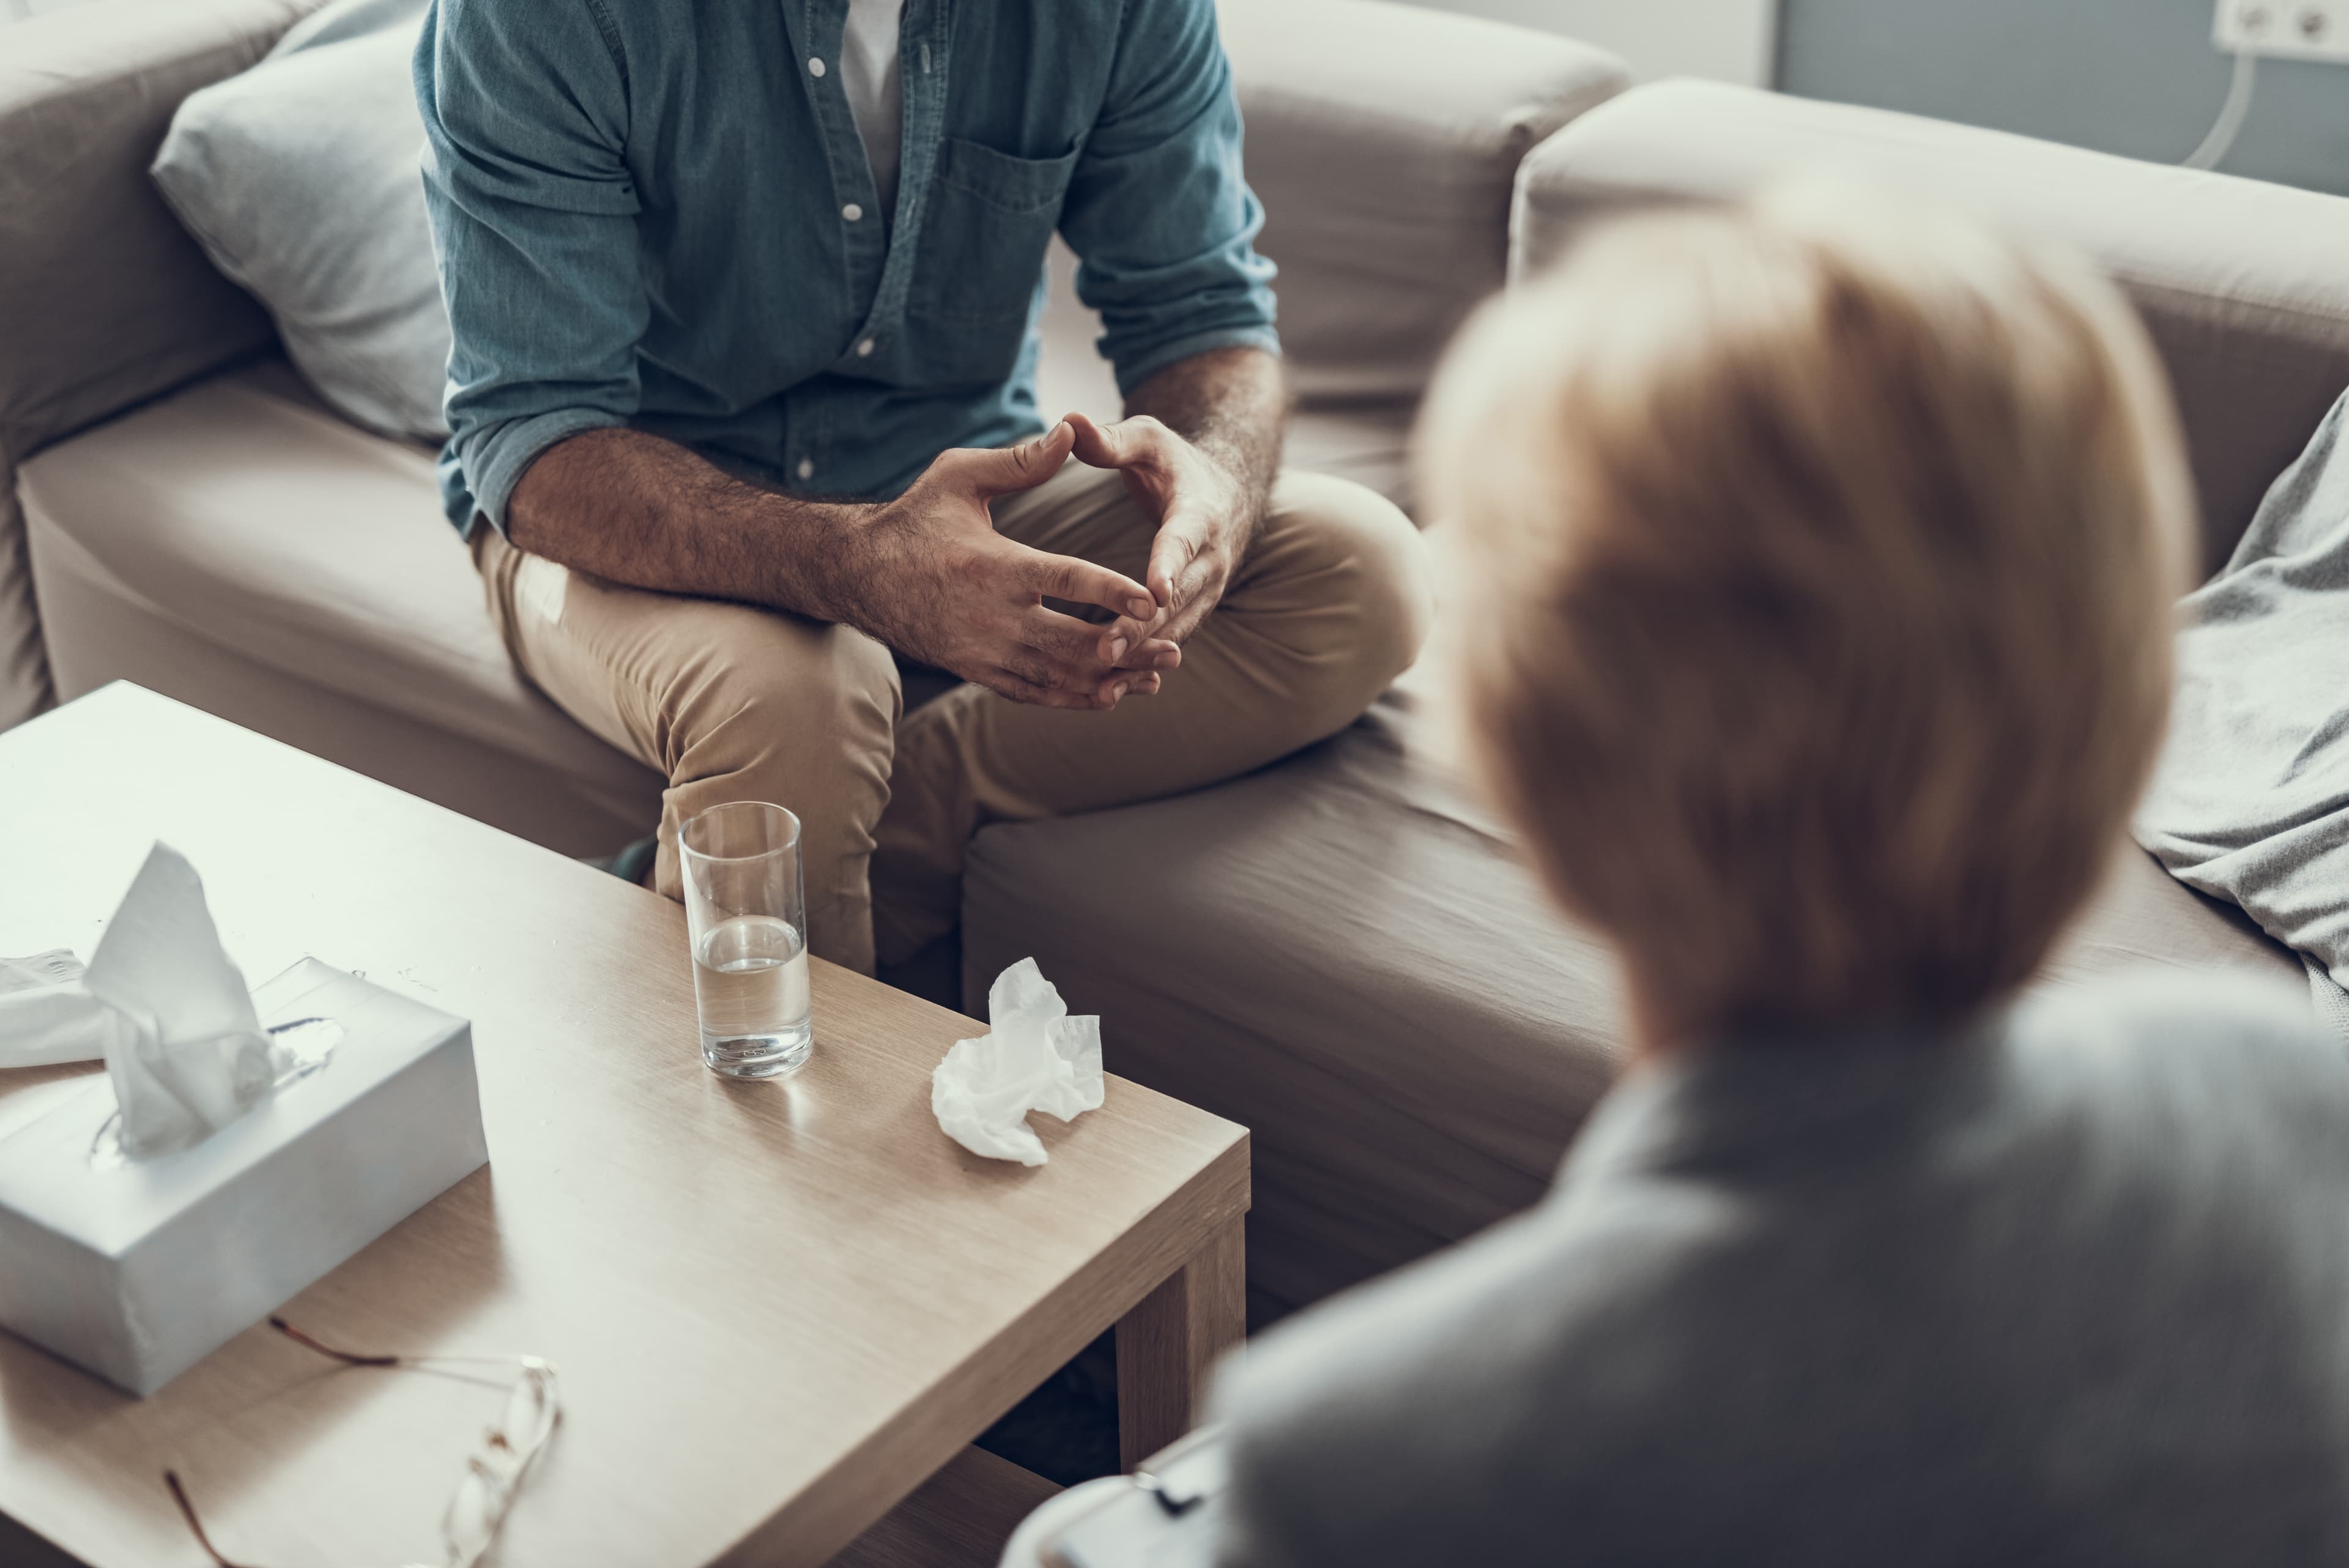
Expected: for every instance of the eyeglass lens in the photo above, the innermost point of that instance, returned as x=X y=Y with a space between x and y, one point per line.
x=493 y=1472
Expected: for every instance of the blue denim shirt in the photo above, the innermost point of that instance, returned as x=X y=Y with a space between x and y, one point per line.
x=658 y=214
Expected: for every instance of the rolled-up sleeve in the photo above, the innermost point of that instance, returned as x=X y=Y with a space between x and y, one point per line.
x=1158 y=211
x=525 y=110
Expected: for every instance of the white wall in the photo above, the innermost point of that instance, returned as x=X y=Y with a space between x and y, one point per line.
x=1731 y=40
x=2134 y=77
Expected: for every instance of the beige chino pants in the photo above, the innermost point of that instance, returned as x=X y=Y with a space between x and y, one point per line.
x=731 y=703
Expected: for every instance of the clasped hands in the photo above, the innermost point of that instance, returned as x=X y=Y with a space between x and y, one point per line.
x=963 y=597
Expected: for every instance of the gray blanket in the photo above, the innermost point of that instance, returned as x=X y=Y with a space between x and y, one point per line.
x=2251 y=803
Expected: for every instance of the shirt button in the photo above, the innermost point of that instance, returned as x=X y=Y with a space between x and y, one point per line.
x=815 y=67
x=852 y=211
x=807 y=468
x=864 y=348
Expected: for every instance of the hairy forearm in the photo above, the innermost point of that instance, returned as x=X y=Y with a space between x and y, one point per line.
x=1231 y=404
x=639 y=509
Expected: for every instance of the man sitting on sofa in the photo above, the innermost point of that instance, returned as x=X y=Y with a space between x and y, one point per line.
x=742 y=388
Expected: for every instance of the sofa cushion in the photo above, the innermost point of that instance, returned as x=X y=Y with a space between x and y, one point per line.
x=1383 y=140
x=1368 y=443
x=2241 y=283
x=299 y=177
x=104 y=300
x=1343 y=957
x=239 y=548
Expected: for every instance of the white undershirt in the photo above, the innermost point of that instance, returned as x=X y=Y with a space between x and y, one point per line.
x=869 y=76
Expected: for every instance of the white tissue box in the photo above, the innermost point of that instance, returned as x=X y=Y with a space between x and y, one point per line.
x=138 y=1270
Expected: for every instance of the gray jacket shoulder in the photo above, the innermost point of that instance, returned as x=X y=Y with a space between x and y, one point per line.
x=1597 y=1373
x=1404 y=1422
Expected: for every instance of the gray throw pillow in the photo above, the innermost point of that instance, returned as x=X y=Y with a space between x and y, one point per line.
x=300 y=180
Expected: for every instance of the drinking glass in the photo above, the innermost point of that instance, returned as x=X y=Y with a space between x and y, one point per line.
x=746 y=912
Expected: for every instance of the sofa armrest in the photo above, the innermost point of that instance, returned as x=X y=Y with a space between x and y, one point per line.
x=2243 y=285
x=104 y=299
x=1382 y=140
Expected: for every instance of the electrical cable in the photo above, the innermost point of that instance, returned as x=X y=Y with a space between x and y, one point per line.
x=2232 y=115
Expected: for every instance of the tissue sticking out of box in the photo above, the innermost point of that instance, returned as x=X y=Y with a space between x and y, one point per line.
x=47 y=1015
x=1034 y=1058
x=187 y=1053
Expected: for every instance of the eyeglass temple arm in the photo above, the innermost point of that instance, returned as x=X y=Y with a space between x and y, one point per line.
x=171 y=1478
x=298 y=1337
x=187 y=1512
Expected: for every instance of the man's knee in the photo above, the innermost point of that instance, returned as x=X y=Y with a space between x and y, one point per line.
x=1373 y=576
x=791 y=710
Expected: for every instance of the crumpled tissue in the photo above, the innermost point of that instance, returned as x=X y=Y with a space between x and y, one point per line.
x=1034 y=1058
x=165 y=1007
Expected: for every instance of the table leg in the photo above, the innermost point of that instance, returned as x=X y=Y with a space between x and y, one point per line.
x=1167 y=1344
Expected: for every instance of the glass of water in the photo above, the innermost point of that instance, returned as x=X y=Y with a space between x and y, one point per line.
x=746 y=911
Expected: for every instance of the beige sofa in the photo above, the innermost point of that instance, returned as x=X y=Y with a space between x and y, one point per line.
x=1333 y=951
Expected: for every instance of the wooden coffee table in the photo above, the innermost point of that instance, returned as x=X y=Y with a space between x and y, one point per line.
x=778 y=1309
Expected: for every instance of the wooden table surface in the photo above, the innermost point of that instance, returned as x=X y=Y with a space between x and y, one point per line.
x=776 y=1307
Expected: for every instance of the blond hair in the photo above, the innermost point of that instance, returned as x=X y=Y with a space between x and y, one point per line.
x=1812 y=567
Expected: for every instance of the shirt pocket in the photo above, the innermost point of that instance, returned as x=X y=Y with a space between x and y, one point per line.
x=990 y=217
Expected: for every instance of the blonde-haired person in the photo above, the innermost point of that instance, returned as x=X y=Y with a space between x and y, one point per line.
x=1810 y=621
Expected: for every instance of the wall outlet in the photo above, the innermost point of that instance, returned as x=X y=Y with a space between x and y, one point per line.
x=2301 y=29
